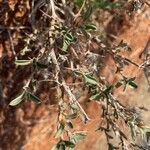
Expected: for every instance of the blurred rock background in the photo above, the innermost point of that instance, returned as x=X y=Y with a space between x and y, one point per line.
x=31 y=127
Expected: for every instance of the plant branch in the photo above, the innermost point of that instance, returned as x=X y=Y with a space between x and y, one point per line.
x=72 y=98
x=12 y=45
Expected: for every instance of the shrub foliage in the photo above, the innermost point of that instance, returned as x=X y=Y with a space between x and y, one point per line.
x=57 y=44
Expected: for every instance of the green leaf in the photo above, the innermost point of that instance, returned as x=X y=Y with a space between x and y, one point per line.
x=69 y=124
x=145 y=133
x=59 y=146
x=60 y=131
x=62 y=147
x=41 y=66
x=132 y=129
x=108 y=90
x=33 y=84
x=69 y=37
x=147 y=136
x=112 y=147
x=72 y=116
x=96 y=96
x=104 y=4
x=77 y=137
x=33 y=98
x=77 y=73
x=23 y=62
x=89 y=79
x=133 y=84
x=142 y=133
x=17 y=100
x=89 y=27
x=55 y=147
x=65 y=46
x=88 y=12
x=69 y=144
x=63 y=144
x=37 y=65
x=78 y=2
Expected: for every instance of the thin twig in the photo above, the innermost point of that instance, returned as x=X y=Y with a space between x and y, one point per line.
x=147 y=4
x=146 y=76
x=12 y=45
x=53 y=9
x=50 y=81
x=46 y=14
x=79 y=12
x=14 y=28
x=34 y=10
x=66 y=87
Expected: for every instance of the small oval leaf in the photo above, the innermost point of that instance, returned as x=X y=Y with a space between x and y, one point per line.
x=90 y=27
x=96 y=96
x=23 y=62
x=89 y=79
x=133 y=84
x=17 y=100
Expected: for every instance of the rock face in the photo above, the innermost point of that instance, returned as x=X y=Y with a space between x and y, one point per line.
x=32 y=127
